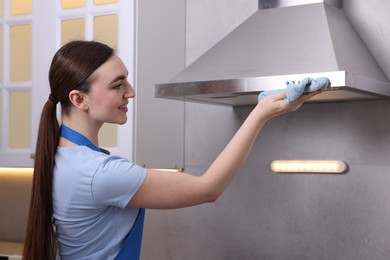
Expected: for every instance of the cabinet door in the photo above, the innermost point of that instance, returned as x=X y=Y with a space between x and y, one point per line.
x=31 y=31
x=16 y=83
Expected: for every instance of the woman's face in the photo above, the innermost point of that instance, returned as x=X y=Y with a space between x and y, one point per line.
x=109 y=93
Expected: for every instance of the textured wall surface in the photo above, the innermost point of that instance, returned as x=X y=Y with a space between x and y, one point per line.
x=264 y=215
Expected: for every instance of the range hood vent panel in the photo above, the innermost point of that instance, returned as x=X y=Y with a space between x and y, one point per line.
x=277 y=45
x=270 y=42
x=350 y=51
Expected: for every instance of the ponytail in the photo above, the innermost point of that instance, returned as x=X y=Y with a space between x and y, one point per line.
x=71 y=68
x=40 y=242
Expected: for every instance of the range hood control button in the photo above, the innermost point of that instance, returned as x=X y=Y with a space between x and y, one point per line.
x=292 y=82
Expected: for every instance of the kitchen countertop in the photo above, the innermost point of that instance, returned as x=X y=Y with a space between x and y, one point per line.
x=11 y=249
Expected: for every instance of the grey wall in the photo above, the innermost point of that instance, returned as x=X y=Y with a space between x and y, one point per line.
x=264 y=215
x=160 y=45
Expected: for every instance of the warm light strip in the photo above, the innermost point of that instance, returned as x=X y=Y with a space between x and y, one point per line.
x=16 y=170
x=314 y=166
x=170 y=170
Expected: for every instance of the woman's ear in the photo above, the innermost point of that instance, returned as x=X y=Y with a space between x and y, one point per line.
x=78 y=99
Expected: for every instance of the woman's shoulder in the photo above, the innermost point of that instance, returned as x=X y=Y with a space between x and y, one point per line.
x=82 y=152
x=82 y=155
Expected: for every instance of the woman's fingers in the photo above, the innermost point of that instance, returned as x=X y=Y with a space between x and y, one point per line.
x=306 y=96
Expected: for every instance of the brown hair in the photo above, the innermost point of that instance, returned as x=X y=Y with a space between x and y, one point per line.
x=70 y=69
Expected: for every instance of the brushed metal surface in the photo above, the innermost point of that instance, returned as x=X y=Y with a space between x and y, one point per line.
x=267 y=4
x=280 y=44
x=242 y=92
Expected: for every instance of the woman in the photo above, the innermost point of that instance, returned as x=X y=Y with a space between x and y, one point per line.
x=96 y=200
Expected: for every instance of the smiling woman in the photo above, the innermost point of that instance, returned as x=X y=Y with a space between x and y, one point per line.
x=70 y=82
x=90 y=204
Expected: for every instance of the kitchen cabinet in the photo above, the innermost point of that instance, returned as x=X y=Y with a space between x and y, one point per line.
x=154 y=133
x=17 y=94
x=31 y=33
x=159 y=137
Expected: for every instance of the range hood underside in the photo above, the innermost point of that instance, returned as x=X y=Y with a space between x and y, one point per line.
x=243 y=92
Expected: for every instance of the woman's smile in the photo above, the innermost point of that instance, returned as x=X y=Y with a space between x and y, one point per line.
x=124 y=108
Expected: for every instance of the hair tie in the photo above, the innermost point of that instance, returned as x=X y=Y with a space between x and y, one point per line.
x=53 y=99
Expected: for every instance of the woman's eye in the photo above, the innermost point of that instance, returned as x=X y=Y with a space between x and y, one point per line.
x=117 y=86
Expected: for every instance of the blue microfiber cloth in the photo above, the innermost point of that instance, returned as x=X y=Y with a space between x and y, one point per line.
x=294 y=91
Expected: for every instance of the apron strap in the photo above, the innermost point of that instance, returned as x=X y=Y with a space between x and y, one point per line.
x=77 y=138
x=131 y=249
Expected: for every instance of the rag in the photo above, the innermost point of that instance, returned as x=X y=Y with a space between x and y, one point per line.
x=294 y=91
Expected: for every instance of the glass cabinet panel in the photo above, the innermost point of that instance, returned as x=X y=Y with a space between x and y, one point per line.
x=20 y=7
x=106 y=30
x=72 y=29
x=19 y=119
x=70 y=4
x=104 y=2
x=108 y=135
x=20 y=53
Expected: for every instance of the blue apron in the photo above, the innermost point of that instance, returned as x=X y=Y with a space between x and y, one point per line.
x=131 y=249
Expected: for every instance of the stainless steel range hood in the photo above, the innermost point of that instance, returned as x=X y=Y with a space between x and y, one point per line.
x=283 y=41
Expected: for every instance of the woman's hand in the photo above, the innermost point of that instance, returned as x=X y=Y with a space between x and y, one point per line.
x=275 y=104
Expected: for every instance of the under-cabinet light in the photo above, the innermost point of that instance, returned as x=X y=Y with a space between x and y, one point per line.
x=22 y=170
x=170 y=170
x=313 y=166
x=16 y=170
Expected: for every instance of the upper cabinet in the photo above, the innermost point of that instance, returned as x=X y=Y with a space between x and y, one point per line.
x=16 y=82
x=30 y=33
x=151 y=44
x=160 y=39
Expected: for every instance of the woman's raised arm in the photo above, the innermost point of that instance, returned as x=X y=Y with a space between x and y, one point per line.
x=165 y=190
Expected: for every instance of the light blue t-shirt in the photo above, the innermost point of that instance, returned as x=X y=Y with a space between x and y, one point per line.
x=90 y=193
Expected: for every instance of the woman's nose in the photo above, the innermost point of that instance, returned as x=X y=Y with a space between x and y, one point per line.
x=130 y=92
